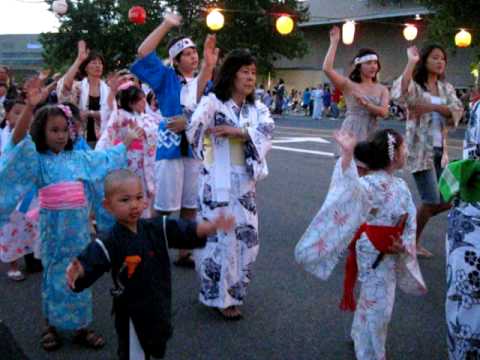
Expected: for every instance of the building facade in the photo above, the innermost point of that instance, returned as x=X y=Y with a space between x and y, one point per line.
x=21 y=53
x=379 y=26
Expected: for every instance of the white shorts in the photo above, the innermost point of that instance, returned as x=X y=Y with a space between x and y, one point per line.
x=176 y=184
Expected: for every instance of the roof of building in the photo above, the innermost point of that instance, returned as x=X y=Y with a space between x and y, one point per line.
x=333 y=11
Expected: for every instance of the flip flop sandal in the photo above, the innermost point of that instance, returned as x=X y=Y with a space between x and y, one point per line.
x=89 y=339
x=15 y=275
x=50 y=339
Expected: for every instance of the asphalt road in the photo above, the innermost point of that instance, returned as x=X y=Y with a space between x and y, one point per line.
x=289 y=314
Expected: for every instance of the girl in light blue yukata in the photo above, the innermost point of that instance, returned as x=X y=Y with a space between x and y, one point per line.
x=46 y=160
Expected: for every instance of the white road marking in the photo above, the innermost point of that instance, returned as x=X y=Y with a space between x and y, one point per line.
x=291 y=140
x=301 y=140
x=323 y=153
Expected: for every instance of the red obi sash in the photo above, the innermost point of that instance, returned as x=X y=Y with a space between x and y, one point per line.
x=62 y=196
x=382 y=238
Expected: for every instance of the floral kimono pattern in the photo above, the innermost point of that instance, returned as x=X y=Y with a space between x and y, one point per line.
x=63 y=233
x=141 y=153
x=419 y=139
x=375 y=199
x=225 y=264
x=462 y=305
x=19 y=236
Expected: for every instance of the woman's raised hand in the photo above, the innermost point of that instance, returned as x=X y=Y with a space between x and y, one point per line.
x=83 y=51
x=413 y=54
x=335 y=35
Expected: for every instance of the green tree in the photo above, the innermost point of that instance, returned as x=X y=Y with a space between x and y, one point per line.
x=105 y=27
x=450 y=16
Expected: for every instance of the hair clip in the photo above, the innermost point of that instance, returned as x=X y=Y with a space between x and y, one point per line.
x=391 y=146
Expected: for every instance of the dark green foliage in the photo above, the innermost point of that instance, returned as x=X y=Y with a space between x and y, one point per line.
x=105 y=27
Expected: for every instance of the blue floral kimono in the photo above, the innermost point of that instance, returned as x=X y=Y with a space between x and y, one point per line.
x=63 y=233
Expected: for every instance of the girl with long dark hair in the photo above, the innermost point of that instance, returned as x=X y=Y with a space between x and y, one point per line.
x=432 y=105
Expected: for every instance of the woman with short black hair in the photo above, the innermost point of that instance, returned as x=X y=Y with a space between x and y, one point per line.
x=237 y=133
x=90 y=94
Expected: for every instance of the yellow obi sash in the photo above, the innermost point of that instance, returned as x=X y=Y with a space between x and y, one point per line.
x=237 y=151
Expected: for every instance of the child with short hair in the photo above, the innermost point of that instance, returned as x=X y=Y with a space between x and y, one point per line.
x=18 y=235
x=136 y=251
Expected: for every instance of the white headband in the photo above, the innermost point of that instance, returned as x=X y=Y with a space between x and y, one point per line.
x=365 y=58
x=179 y=46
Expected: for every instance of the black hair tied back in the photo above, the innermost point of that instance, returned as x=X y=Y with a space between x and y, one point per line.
x=375 y=151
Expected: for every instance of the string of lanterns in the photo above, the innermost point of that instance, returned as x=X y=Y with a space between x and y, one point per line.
x=284 y=23
x=463 y=38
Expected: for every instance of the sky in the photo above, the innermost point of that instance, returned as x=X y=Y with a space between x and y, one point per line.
x=26 y=17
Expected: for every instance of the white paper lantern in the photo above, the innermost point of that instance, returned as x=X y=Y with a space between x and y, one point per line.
x=410 y=32
x=60 y=7
x=348 y=32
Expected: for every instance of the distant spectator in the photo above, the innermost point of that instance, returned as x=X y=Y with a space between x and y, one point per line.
x=307 y=96
x=279 y=95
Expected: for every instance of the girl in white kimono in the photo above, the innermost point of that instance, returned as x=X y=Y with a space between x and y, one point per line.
x=373 y=216
x=141 y=153
x=231 y=133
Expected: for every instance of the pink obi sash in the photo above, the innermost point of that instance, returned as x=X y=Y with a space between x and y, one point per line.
x=62 y=196
x=136 y=144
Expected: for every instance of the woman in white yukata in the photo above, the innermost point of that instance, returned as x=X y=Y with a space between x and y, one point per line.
x=236 y=131
x=373 y=216
x=92 y=95
x=462 y=301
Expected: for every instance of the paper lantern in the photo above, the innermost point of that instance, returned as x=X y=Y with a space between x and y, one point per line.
x=348 y=32
x=410 y=32
x=137 y=15
x=215 y=20
x=463 y=39
x=284 y=24
x=60 y=7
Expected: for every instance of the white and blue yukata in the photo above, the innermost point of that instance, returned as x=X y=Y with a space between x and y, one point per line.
x=176 y=170
x=230 y=171
x=462 y=304
x=63 y=232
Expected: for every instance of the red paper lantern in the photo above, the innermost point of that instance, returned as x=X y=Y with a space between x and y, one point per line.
x=137 y=15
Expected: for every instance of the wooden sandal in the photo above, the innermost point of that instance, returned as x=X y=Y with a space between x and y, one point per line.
x=50 y=339
x=89 y=339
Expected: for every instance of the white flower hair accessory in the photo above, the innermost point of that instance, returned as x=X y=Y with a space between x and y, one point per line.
x=391 y=146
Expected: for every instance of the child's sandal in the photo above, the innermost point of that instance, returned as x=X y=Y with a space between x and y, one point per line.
x=50 y=339
x=89 y=339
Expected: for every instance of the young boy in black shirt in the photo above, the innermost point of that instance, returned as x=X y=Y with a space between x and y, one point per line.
x=136 y=251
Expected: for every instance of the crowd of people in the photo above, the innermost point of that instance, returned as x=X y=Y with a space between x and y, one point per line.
x=92 y=169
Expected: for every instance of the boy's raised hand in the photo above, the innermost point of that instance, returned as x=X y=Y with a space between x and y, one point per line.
x=74 y=271
x=210 y=51
x=173 y=19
